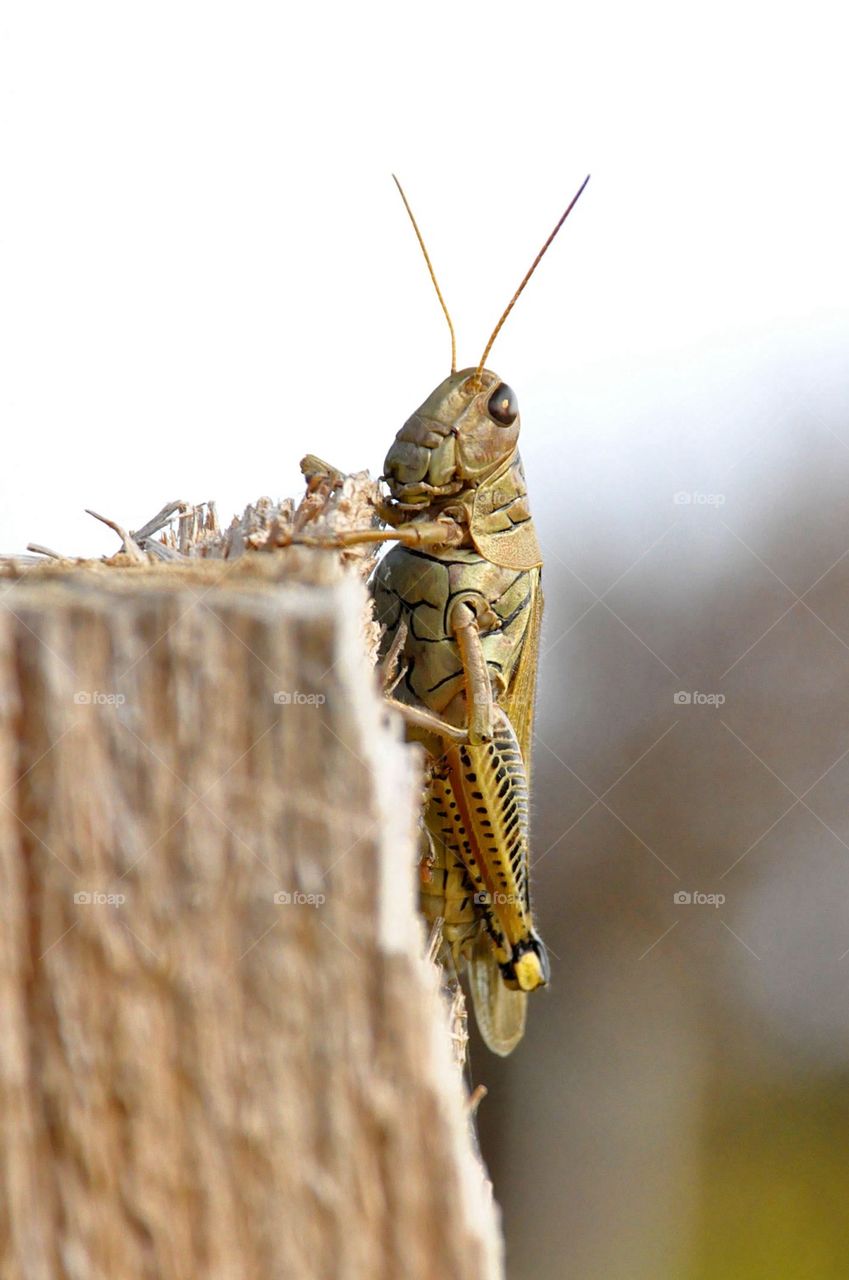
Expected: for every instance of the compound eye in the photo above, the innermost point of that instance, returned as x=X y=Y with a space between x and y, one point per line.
x=503 y=405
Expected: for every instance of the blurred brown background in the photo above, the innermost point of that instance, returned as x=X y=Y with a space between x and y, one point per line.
x=679 y=1107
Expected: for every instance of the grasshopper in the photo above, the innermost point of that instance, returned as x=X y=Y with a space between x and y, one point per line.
x=460 y=603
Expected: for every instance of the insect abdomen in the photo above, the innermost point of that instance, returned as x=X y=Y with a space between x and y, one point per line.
x=446 y=891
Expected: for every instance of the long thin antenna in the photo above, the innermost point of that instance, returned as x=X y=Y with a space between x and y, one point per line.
x=531 y=271
x=432 y=274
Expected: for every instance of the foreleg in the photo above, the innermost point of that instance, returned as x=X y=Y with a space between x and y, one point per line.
x=427 y=533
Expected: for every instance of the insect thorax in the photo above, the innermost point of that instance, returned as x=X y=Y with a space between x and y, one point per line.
x=421 y=588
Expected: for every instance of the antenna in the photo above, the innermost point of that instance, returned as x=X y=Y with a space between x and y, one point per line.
x=433 y=274
x=530 y=272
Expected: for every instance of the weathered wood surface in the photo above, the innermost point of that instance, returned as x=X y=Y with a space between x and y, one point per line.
x=230 y=1060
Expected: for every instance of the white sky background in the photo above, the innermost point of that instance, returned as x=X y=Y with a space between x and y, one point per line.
x=207 y=271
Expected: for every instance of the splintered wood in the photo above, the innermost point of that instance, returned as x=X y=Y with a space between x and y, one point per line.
x=224 y=1051
x=333 y=503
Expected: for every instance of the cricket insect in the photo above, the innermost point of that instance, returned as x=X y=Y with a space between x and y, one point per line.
x=460 y=602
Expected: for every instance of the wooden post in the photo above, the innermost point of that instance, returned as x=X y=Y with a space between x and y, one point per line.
x=223 y=1054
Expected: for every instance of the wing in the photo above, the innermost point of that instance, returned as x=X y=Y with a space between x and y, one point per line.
x=499 y=1012
x=518 y=701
